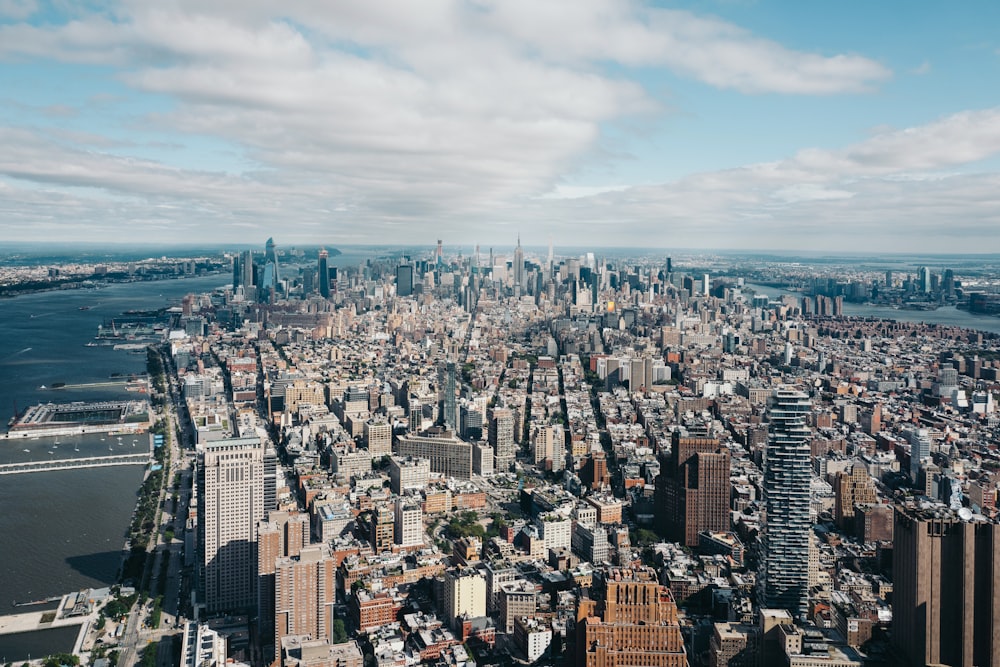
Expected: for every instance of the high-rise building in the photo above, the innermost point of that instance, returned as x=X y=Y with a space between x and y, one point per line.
x=693 y=488
x=502 y=437
x=631 y=620
x=232 y=504
x=407 y=473
x=271 y=257
x=784 y=575
x=946 y=588
x=382 y=529
x=282 y=535
x=464 y=595
x=408 y=525
x=449 y=404
x=378 y=436
x=518 y=268
x=404 y=280
x=324 y=273
x=852 y=488
x=305 y=592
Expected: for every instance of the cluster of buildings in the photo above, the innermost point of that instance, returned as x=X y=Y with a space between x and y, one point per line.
x=468 y=460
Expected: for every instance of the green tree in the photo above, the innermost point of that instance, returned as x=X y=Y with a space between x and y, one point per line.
x=339 y=633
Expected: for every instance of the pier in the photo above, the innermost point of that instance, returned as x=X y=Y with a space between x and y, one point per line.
x=75 y=464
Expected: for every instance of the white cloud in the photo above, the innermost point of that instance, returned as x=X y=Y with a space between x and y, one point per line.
x=380 y=121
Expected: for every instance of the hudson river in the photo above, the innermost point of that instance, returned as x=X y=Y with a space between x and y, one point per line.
x=64 y=530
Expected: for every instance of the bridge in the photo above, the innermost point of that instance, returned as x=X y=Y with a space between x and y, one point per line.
x=75 y=464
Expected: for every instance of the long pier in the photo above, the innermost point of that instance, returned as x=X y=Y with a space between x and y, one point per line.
x=74 y=464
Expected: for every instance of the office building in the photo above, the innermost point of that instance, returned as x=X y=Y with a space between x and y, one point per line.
x=408 y=473
x=631 y=620
x=852 y=488
x=378 y=437
x=693 y=488
x=784 y=575
x=515 y=599
x=946 y=587
x=382 y=527
x=324 y=273
x=404 y=280
x=448 y=455
x=408 y=525
x=282 y=535
x=501 y=436
x=231 y=482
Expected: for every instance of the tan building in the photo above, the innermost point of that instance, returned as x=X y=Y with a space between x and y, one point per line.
x=632 y=620
x=232 y=504
x=301 y=651
x=852 y=488
x=464 y=594
x=515 y=599
x=378 y=436
x=733 y=645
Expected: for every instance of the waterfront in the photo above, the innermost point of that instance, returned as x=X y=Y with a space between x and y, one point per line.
x=945 y=315
x=65 y=530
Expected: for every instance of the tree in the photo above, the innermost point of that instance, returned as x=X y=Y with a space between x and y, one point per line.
x=339 y=633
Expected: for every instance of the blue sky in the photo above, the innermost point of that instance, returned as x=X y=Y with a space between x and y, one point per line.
x=731 y=124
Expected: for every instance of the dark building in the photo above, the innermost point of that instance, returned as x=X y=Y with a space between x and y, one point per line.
x=324 y=274
x=404 y=280
x=946 y=588
x=692 y=489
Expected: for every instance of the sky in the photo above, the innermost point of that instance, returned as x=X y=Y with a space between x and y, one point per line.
x=844 y=125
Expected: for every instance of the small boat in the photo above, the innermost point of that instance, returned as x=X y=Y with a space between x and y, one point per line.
x=26 y=450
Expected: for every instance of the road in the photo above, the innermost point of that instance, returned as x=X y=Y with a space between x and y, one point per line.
x=173 y=519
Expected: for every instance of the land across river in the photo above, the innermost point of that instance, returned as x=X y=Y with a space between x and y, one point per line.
x=945 y=315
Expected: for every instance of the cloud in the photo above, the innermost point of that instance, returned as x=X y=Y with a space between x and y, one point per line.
x=17 y=9
x=394 y=121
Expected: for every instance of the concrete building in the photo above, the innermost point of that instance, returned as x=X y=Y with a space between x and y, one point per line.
x=305 y=591
x=378 y=437
x=501 y=436
x=784 y=575
x=448 y=455
x=408 y=528
x=514 y=600
x=408 y=473
x=946 y=588
x=464 y=595
x=231 y=483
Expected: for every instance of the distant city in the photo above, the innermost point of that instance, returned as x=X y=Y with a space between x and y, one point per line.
x=378 y=457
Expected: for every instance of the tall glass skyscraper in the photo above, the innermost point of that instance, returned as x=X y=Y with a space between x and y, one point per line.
x=784 y=576
x=324 y=274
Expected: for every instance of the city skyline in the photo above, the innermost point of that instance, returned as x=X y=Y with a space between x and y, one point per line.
x=720 y=126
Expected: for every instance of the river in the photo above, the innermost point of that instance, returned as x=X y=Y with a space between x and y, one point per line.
x=945 y=315
x=64 y=530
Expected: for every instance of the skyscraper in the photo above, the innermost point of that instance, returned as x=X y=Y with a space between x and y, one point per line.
x=232 y=504
x=784 y=576
x=271 y=257
x=518 y=268
x=501 y=437
x=692 y=489
x=404 y=280
x=946 y=587
x=324 y=273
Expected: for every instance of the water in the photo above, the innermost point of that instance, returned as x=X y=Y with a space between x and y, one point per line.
x=64 y=530
x=945 y=315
